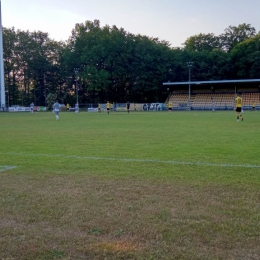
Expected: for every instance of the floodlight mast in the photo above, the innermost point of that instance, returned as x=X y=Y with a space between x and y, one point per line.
x=189 y=64
x=2 y=82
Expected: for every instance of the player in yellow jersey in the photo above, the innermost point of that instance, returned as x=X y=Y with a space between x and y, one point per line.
x=239 y=108
x=253 y=107
x=108 y=106
x=170 y=106
x=99 y=108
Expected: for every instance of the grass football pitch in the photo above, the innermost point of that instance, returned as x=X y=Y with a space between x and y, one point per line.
x=143 y=185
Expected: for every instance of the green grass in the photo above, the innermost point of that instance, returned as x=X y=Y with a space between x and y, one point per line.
x=154 y=185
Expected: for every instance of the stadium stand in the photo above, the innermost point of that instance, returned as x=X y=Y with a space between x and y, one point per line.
x=179 y=101
x=220 y=94
x=249 y=99
x=205 y=101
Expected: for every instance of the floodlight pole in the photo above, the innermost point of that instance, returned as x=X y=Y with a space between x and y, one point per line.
x=189 y=64
x=2 y=82
x=76 y=70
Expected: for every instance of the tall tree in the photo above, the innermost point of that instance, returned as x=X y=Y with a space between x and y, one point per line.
x=236 y=34
x=246 y=58
x=11 y=64
x=116 y=65
x=32 y=64
x=202 y=42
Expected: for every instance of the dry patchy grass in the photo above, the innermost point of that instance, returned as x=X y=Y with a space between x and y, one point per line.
x=90 y=217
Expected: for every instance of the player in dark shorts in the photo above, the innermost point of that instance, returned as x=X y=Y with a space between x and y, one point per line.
x=108 y=107
x=239 y=108
x=170 y=106
x=31 y=108
x=253 y=107
x=128 y=106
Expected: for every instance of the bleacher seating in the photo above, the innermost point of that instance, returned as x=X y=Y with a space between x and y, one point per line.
x=249 y=99
x=179 y=101
x=221 y=101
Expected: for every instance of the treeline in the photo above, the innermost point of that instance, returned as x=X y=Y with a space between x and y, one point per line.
x=119 y=66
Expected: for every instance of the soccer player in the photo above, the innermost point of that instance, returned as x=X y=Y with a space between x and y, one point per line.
x=135 y=107
x=239 y=108
x=68 y=107
x=108 y=106
x=99 y=108
x=170 y=106
x=128 y=106
x=253 y=107
x=56 y=109
x=31 y=108
x=213 y=106
x=76 y=108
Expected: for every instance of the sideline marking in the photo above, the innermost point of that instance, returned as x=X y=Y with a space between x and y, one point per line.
x=5 y=168
x=133 y=160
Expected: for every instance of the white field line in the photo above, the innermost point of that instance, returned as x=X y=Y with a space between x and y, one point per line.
x=133 y=160
x=5 y=168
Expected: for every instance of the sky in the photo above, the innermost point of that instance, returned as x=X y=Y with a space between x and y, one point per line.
x=170 y=20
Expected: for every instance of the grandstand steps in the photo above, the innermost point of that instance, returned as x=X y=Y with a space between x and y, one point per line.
x=192 y=98
x=206 y=101
x=167 y=101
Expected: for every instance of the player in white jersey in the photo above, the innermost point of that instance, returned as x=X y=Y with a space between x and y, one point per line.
x=76 y=108
x=31 y=107
x=213 y=106
x=56 y=109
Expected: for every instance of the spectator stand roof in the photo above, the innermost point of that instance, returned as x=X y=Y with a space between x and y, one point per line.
x=209 y=82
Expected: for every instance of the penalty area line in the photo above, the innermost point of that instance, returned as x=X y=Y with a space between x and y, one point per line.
x=5 y=168
x=133 y=160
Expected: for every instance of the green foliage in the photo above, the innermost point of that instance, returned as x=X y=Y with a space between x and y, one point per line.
x=246 y=57
x=116 y=65
x=202 y=42
x=234 y=35
x=32 y=62
x=226 y=41
x=50 y=100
